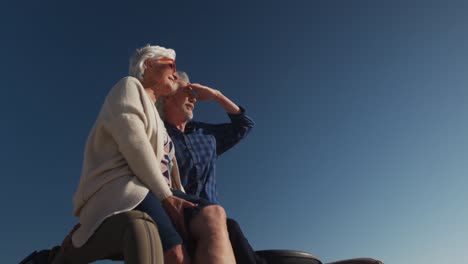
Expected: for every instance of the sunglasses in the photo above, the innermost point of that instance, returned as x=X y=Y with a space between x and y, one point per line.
x=170 y=62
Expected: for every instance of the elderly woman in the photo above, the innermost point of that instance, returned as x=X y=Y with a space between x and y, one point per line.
x=129 y=165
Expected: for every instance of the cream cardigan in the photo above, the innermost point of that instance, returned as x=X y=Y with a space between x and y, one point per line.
x=122 y=159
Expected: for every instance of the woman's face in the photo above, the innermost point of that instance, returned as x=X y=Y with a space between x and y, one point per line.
x=163 y=74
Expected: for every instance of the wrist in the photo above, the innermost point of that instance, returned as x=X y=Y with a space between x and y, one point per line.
x=168 y=199
x=217 y=95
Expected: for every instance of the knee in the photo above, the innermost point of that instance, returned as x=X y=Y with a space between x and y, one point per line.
x=210 y=219
x=214 y=214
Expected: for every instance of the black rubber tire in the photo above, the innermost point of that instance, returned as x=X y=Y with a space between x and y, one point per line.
x=288 y=257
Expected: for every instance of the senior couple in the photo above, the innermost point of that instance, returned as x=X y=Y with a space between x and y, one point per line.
x=130 y=170
x=147 y=192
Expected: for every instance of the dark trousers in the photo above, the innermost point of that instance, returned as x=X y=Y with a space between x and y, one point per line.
x=243 y=252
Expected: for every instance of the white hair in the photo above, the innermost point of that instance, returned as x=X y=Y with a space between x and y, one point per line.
x=161 y=102
x=181 y=75
x=137 y=61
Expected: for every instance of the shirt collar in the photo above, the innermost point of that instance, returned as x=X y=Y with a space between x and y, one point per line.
x=189 y=127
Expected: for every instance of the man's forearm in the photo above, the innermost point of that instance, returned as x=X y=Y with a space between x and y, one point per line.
x=207 y=93
x=227 y=104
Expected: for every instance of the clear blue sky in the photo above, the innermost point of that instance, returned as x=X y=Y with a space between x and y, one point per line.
x=360 y=147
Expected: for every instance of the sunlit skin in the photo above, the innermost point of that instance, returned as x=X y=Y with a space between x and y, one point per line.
x=180 y=106
x=208 y=228
x=178 y=109
x=160 y=79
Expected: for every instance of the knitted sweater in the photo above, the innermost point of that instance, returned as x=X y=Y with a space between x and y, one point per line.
x=122 y=158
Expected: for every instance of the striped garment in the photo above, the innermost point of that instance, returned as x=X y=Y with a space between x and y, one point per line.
x=166 y=161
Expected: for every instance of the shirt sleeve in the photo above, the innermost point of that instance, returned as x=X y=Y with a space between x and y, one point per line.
x=229 y=134
x=126 y=122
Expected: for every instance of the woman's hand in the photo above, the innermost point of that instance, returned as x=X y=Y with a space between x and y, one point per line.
x=174 y=207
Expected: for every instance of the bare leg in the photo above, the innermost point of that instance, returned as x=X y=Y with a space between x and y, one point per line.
x=176 y=255
x=209 y=230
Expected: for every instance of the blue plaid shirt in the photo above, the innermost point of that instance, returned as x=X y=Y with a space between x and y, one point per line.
x=198 y=148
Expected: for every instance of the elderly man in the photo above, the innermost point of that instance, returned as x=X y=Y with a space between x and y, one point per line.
x=199 y=144
x=129 y=164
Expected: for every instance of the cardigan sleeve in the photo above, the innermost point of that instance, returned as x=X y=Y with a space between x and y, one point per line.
x=126 y=122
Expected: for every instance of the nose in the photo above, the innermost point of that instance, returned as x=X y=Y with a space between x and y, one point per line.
x=192 y=99
x=175 y=76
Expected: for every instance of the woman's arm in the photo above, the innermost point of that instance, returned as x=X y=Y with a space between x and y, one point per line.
x=125 y=120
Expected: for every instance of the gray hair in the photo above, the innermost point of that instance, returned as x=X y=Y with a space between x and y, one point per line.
x=137 y=61
x=161 y=102
x=183 y=76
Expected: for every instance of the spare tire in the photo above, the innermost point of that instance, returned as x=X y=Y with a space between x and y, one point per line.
x=288 y=257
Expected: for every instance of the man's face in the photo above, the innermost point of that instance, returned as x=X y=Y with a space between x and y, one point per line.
x=162 y=71
x=181 y=103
